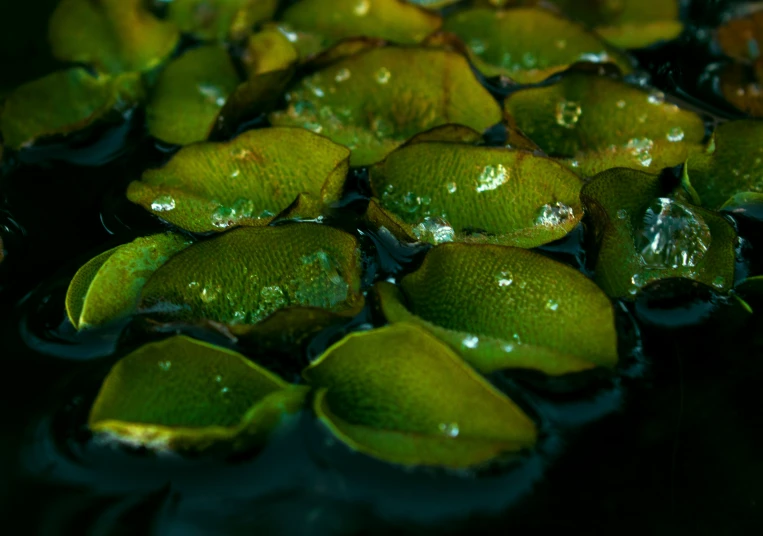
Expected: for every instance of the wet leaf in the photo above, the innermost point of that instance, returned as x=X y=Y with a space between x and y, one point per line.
x=731 y=165
x=432 y=4
x=644 y=235
x=187 y=395
x=583 y=113
x=450 y=192
x=335 y=20
x=243 y=276
x=741 y=38
x=64 y=102
x=375 y=100
x=114 y=35
x=189 y=94
x=220 y=19
x=742 y=86
x=107 y=287
x=516 y=43
x=502 y=307
x=398 y=394
x=269 y=50
x=247 y=181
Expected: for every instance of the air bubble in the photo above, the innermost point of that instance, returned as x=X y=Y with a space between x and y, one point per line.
x=568 y=113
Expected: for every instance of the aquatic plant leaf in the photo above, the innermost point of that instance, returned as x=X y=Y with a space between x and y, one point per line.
x=107 y=287
x=583 y=112
x=243 y=276
x=501 y=307
x=114 y=35
x=644 y=156
x=186 y=395
x=732 y=164
x=375 y=100
x=220 y=19
x=64 y=102
x=214 y=186
x=741 y=38
x=644 y=235
x=516 y=43
x=400 y=395
x=457 y=192
x=269 y=50
x=432 y=4
x=189 y=94
x=335 y=20
x=742 y=86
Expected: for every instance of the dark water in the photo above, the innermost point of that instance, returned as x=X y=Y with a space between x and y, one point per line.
x=672 y=445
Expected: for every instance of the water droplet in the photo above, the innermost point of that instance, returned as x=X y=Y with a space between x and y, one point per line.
x=640 y=148
x=656 y=97
x=209 y=294
x=235 y=173
x=675 y=134
x=223 y=217
x=471 y=341
x=492 y=177
x=552 y=305
x=212 y=94
x=240 y=153
x=452 y=187
x=362 y=7
x=529 y=60
x=568 y=113
x=620 y=104
x=719 y=282
x=554 y=214
x=672 y=236
x=165 y=365
x=383 y=128
x=504 y=279
x=478 y=46
x=224 y=390
x=449 y=429
x=434 y=231
x=193 y=284
x=622 y=214
x=508 y=347
x=218 y=378
x=516 y=338
x=163 y=203
x=342 y=75
x=383 y=75
x=522 y=284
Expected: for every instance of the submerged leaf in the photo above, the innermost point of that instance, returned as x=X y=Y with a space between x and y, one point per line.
x=187 y=395
x=529 y=44
x=398 y=394
x=189 y=94
x=64 y=102
x=107 y=287
x=457 y=192
x=502 y=307
x=246 y=181
x=244 y=276
x=644 y=235
x=220 y=19
x=114 y=35
x=375 y=100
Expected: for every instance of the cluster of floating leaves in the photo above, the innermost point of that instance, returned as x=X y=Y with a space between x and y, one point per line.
x=386 y=86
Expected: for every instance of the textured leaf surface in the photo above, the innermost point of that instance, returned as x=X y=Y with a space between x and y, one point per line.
x=398 y=394
x=269 y=50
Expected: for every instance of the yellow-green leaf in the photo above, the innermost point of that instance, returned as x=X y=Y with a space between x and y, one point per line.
x=451 y=191
x=220 y=19
x=269 y=50
x=501 y=307
x=398 y=394
x=214 y=186
x=114 y=35
x=107 y=287
x=529 y=44
x=187 y=395
x=64 y=102
x=375 y=100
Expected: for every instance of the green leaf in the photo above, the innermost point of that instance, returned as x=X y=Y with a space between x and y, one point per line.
x=246 y=181
x=398 y=394
x=335 y=20
x=64 y=102
x=458 y=192
x=220 y=19
x=107 y=287
x=584 y=113
x=243 y=276
x=502 y=307
x=516 y=43
x=731 y=165
x=269 y=50
x=189 y=94
x=114 y=35
x=375 y=100
x=644 y=235
x=186 y=395
x=432 y=4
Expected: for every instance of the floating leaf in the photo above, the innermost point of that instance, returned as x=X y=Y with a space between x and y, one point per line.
x=432 y=4
x=450 y=191
x=186 y=395
x=115 y=35
x=393 y=20
x=220 y=19
x=644 y=235
x=502 y=307
x=107 y=287
x=189 y=94
x=246 y=181
x=516 y=43
x=243 y=276
x=398 y=394
x=64 y=102
x=375 y=100
x=741 y=38
x=742 y=86
x=269 y=50
x=731 y=165
x=584 y=113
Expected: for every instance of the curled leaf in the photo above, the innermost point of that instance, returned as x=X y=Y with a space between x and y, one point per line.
x=398 y=394
x=186 y=395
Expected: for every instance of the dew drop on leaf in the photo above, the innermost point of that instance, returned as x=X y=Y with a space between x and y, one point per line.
x=672 y=236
